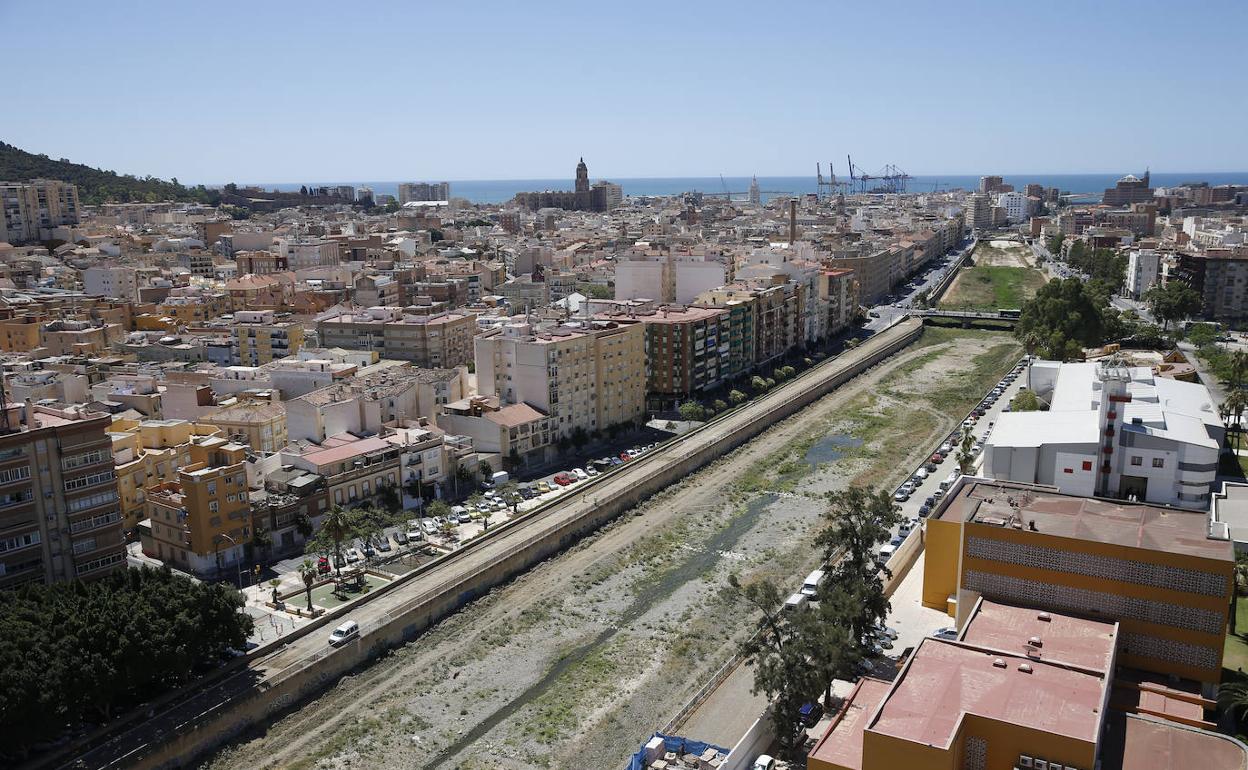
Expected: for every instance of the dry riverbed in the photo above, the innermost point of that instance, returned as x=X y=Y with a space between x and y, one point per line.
x=576 y=662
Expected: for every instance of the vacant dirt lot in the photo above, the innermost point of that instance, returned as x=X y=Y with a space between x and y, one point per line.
x=575 y=663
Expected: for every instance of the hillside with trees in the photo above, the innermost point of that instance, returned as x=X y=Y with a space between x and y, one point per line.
x=97 y=185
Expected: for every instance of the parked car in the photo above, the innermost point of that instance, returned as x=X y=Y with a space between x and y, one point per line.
x=464 y=517
x=383 y=543
x=810 y=713
x=367 y=547
x=353 y=556
x=937 y=458
x=580 y=474
x=322 y=565
x=945 y=448
x=930 y=468
x=920 y=474
x=344 y=633
x=591 y=470
x=543 y=487
x=562 y=479
x=903 y=529
x=945 y=633
x=766 y=761
x=924 y=510
x=429 y=526
x=901 y=495
x=400 y=537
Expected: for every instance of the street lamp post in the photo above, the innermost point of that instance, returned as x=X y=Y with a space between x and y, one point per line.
x=217 y=541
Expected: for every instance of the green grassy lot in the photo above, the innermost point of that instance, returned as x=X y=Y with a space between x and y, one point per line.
x=989 y=287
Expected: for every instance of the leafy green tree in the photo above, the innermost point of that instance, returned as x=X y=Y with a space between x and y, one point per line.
x=856 y=522
x=758 y=384
x=1061 y=319
x=719 y=405
x=1202 y=335
x=1025 y=401
x=486 y=470
x=966 y=454
x=1172 y=302
x=692 y=411
x=1054 y=245
x=389 y=498
x=437 y=508
x=80 y=652
x=338 y=525
x=736 y=397
x=781 y=669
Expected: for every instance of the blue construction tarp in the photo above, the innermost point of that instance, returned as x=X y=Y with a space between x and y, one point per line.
x=673 y=743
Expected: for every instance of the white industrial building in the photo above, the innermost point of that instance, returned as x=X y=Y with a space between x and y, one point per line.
x=1111 y=431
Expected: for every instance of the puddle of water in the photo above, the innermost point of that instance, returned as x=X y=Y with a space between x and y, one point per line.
x=702 y=558
x=829 y=448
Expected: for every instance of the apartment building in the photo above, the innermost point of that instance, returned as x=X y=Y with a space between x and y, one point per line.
x=361 y=404
x=585 y=377
x=77 y=338
x=260 y=425
x=777 y=316
x=518 y=433
x=201 y=523
x=1114 y=431
x=424 y=191
x=28 y=208
x=1162 y=574
x=668 y=277
x=20 y=334
x=289 y=499
x=144 y=452
x=354 y=468
x=260 y=263
x=59 y=513
x=877 y=271
x=304 y=252
x=112 y=282
x=257 y=337
x=979 y=211
x=687 y=351
x=1143 y=272
x=1220 y=277
x=433 y=341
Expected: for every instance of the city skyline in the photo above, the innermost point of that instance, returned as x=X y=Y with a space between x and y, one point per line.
x=708 y=90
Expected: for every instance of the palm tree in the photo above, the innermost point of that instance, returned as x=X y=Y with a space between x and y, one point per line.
x=339 y=524
x=1236 y=403
x=307 y=571
x=966 y=455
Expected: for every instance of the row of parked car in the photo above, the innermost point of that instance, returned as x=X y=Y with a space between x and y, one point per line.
x=595 y=467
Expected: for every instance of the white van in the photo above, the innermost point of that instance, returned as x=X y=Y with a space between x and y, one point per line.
x=813 y=581
x=795 y=602
x=886 y=553
x=344 y=633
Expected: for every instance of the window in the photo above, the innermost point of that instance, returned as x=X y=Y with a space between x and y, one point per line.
x=214 y=506
x=87 y=481
x=91 y=501
x=14 y=474
x=212 y=487
x=19 y=541
x=1159 y=462
x=77 y=461
x=1137 y=460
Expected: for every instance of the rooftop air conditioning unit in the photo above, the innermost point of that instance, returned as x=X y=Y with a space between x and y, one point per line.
x=1024 y=760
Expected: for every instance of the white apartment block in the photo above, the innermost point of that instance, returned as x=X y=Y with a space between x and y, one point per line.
x=303 y=253
x=1143 y=271
x=112 y=282
x=1016 y=206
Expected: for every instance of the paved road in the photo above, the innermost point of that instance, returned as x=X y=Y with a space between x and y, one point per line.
x=902 y=299
x=446 y=575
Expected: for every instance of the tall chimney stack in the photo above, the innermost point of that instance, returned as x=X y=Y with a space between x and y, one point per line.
x=792 y=220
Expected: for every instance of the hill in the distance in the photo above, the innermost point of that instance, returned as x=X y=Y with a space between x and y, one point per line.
x=97 y=185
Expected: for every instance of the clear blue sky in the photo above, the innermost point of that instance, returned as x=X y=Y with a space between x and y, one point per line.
x=346 y=91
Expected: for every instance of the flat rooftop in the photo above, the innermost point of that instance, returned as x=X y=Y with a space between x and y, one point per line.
x=946 y=680
x=841 y=745
x=1135 y=525
x=1066 y=639
x=1134 y=742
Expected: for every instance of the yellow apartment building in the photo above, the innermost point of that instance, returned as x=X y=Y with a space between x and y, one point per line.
x=21 y=334
x=201 y=523
x=1156 y=571
x=257 y=338
x=146 y=452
